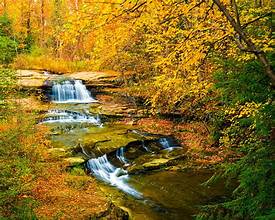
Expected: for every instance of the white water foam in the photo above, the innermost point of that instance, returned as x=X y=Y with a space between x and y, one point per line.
x=144 y=146
x=71 y=92
x=121 y=157
x=65 y=116
x=105 y=171
x=167 y=145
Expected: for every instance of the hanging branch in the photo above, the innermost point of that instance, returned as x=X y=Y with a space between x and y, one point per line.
x=250 y=46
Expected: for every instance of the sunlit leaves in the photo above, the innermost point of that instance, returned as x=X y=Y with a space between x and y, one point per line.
x=173 y=39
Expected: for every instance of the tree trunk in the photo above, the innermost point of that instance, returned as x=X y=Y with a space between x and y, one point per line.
x=42 y=22
x=251 y=47
x=28 y=26
x=5 y=6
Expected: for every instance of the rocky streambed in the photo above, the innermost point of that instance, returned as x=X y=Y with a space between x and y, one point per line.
x=94 y=129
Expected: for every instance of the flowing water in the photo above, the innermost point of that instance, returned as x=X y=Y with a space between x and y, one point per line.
x=66 y=116
x=118 y=177
x=121 y=157
x=148 y=195
x=71 y=92
x=104 y=170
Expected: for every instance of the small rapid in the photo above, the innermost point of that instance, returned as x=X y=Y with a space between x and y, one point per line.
x=70 y=92
x=66 y=116
x=102 y=169
x=120 y=156
x=168 y=144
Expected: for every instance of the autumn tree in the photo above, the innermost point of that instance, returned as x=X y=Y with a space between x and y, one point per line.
x=181 y=39
x=242 y=36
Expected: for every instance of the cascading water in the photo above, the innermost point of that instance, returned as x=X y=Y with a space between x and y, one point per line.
x=164 y=142
x=105 y=171
x=144 y=146
x=102 y=169
x=65 y=116
x=71 y=92
x=120 y=156
x=167 y=144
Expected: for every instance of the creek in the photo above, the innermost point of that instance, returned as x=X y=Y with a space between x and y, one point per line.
x=129 y=164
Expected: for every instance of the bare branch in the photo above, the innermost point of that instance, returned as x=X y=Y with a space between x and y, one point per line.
x=251 y=47
x=207 y=12
x=196 y=5
x=256 y=19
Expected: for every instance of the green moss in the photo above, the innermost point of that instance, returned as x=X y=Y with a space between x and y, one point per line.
x=109 y=138
x=73 y=161
x=77 y=171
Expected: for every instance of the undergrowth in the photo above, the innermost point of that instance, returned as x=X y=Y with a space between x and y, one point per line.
x=41 y=59
x=243 y=125
x=22 y=149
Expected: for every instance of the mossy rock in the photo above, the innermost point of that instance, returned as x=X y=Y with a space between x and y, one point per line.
x=74 y=161
x=110 y=138
x=154 y=164
x=58 y=152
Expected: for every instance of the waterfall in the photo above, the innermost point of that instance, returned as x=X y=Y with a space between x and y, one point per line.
x=71 y=92
x=65 y=116
x=144 y=146
x=102 y=169
x=164 y=142
x=120 y=156
x=167 y=144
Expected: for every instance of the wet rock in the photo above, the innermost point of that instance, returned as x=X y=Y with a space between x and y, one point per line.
x=109 y=138
x=112 y=213
x=174 y=168
x=86 y=152
x=154 y=164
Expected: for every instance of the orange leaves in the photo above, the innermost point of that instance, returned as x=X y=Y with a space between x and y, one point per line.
x=57 y=194
x=194 y=137
x=154 y=125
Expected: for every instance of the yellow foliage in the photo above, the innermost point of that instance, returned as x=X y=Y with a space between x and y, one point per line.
x=167 y=44
x=49 y=63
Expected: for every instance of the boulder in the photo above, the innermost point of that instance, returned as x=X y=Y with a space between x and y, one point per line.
x=153 y=164
x=74 y=161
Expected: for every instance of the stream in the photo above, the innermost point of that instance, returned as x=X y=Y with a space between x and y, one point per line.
x=128 y=163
